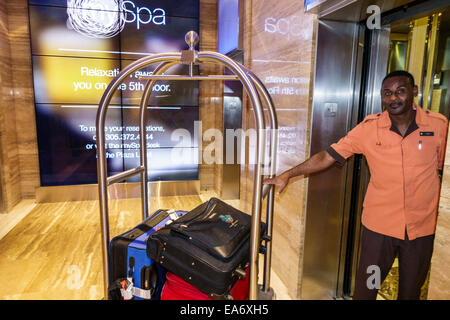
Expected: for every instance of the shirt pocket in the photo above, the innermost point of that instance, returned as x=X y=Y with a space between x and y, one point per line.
x=422 y=152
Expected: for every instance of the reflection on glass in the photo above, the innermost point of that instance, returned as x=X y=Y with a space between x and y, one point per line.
x=422 y=47
x=52 y=34
x=397 y=55
x=73 y=80
x=164 y=93
x=166 y=164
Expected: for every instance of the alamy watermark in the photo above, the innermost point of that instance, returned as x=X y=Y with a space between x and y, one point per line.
x=234 y=146
x=374 y=20
x=374 y=280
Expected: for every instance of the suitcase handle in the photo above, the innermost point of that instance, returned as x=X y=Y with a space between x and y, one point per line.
x=241 y=273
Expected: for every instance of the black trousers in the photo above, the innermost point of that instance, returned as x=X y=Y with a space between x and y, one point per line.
x=378 y=252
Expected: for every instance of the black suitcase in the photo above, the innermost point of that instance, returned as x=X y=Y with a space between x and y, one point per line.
x=132 y=275
x=209 y=247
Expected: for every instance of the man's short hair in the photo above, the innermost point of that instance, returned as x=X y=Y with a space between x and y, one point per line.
x=400 y=73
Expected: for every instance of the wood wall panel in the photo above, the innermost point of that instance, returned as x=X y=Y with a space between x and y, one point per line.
x=9 y=159
x=20 y=166
x=211 y=92
x=23 y=97
x=280 y=51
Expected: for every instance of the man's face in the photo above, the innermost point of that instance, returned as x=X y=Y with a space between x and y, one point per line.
x=397 y=95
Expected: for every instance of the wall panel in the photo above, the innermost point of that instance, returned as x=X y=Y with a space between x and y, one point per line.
x=23 y=97
x=279 y=48
x=10 y=172
x=211 y=92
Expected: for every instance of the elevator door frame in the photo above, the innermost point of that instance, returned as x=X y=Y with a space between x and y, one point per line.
x=371 y=67
x=375 y=65
x=330 y=274
x=376 y=62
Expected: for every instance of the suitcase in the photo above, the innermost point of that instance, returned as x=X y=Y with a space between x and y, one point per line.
x=209 y=247
x=133 y=275
x=176 y=288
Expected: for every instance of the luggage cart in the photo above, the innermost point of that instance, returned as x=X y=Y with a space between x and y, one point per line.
x=255 y=90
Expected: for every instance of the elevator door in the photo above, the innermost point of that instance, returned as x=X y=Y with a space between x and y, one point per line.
x=329 y=192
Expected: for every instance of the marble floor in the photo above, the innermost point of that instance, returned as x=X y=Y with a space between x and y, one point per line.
x=53 y=250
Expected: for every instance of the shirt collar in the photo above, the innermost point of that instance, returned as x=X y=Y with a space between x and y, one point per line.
x=421 y=118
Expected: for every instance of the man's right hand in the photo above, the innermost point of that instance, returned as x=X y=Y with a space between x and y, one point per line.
x=318 y=162
x=280 y=181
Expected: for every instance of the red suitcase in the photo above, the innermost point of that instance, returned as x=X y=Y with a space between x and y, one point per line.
x=176 y=288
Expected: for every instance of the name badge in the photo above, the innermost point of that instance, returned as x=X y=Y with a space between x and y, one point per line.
x=426 y=133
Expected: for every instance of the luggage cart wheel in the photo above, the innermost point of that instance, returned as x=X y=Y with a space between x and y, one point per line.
x=265 y=295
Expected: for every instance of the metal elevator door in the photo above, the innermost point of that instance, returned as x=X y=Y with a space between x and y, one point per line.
x=335 y=112
x=350 y=63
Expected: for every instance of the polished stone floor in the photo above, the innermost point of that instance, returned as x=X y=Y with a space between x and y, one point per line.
x=53 y=250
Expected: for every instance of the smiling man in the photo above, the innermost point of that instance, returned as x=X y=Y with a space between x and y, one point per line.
x=404 y=147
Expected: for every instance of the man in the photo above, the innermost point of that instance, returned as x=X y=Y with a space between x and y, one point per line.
x=404 y=147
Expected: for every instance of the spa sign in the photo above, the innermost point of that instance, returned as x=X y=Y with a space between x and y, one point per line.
x=107 y=18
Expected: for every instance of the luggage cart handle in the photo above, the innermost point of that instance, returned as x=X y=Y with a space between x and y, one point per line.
x=175 y=77
x=268 y=190
x=124 y=175
x=265 y=191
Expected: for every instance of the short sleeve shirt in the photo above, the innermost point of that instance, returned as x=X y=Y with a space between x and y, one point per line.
x=404 y=186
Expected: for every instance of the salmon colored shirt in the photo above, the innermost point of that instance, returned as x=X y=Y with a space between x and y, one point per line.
x=404 y=186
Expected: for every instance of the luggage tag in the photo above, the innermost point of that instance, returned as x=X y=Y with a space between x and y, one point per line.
x=127 y=289
x=141 y=293
x=172 y=216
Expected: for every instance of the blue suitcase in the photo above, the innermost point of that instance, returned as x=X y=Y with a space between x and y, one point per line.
x=132 y=274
